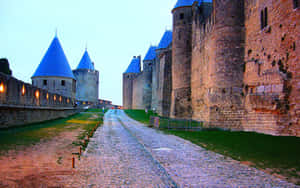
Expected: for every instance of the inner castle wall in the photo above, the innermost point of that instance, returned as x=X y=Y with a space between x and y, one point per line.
x=22 y=103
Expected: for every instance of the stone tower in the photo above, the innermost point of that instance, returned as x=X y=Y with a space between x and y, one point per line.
x=164 y=74
x=217 y=64
x=133 y=70
x=148 y=63
x=87 y=80
x=54 y=73
x=181 y=59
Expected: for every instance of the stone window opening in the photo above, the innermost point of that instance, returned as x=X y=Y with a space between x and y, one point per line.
x=45 y=82
x=181 y=16
x=264 y=18
x=296 y=3
x=63 y=82
x=259 y=69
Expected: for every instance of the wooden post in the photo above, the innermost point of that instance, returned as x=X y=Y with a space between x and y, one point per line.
x=79 y=151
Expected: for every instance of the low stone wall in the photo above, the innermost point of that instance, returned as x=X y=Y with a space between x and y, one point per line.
x=22 y=103
x=13 y=116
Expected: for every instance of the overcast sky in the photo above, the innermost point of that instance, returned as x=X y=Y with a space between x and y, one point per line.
x=114 y=32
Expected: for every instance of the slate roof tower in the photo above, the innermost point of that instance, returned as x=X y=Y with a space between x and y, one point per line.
x=87 y=77
x=54 y=73
x=148 y=66
x=181 y=59
x=164 y=64
x=133 y=70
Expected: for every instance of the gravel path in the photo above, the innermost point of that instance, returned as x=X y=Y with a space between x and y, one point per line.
x=129 y=154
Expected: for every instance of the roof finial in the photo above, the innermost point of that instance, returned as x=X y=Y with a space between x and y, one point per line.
x=55 y=32
x=86 y=46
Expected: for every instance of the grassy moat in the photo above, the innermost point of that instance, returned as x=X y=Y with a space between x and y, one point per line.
x=16 y=138
x=278 y=155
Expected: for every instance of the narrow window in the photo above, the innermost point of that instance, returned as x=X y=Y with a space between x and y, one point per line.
x=63 y=83
x=179 y=35
x=181 y=16
x=259 y=69
x=266 y=17
x=296 y=3
x=261 y=19
x=45 y=82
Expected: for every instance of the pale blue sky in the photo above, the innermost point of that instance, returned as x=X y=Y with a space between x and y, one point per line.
x=113 y=30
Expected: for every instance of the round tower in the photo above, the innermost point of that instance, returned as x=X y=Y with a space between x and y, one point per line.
x=181 y=59
x=148 y=63
x=54 y=73
x=87 y=80
x=133 y=70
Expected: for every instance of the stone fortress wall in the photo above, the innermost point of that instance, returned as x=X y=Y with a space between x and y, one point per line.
x=60 y=85
x=234 y=64
x=272 y=67
x=22 y=103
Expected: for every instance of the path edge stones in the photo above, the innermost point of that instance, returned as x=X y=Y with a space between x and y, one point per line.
x=174 y=184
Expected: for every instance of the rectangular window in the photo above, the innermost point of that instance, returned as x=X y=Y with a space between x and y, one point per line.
x=181 y=16
x=63 y=82
x=45 y=82
x=296 y=3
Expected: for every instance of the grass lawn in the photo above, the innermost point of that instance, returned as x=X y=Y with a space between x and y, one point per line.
x=140 y=115
x=277 y=154
x=25 y=136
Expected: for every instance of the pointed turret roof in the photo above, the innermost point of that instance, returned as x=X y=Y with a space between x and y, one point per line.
x=85 y=62
x=188 y=3
x=134 y=66
x=150 y=54
x=54 y=63
x=166 y=40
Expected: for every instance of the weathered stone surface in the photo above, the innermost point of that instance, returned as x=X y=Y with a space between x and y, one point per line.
x=272 y=60
x=165 y=82
x=181 y=63
x=87 y=85
x=217 y=64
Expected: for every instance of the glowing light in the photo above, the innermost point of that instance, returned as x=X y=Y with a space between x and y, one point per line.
x=47 y=96
x=60 y=99
x=23 y=90
x=68 y=100
x=37 y=94
x=1 y=88
x=83 y=103
x=54 y=97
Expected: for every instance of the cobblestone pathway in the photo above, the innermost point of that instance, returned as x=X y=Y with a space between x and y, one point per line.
x=119 y=160
x=129 y=154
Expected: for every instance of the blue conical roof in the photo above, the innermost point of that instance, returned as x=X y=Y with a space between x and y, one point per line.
x=85 y=62
x=54 y=63
x=187 y=3
x=150 y=54
x=135 y=66
x=166 y=40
